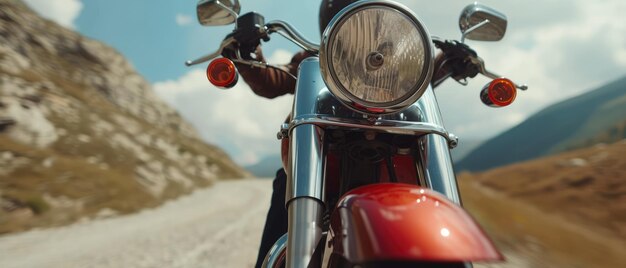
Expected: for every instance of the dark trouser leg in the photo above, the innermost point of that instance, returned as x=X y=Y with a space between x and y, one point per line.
x=276 y=221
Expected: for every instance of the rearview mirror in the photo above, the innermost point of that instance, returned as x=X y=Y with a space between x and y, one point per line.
x=482 y=23
x=217 y=12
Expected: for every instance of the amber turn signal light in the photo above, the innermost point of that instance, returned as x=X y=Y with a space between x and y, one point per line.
x=499 y=93
x=222 y=73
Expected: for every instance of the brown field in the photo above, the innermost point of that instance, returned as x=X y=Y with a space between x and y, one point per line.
x=567 y=210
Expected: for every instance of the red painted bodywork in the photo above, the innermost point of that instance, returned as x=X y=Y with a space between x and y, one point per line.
x=394 y=221
x=404 y=168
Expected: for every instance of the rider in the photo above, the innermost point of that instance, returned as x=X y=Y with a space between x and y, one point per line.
x=271 y=83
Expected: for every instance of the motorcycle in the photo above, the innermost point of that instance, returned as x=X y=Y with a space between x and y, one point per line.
x=370 y=178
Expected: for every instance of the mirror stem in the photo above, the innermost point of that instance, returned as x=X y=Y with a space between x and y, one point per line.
x=232 y=12
x=481 y=24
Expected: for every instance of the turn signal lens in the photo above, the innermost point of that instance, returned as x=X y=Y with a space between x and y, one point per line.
x=222 y=73
x=499 y=93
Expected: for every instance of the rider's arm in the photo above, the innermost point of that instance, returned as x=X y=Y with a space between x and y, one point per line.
x=272 y=82
x=439 y=72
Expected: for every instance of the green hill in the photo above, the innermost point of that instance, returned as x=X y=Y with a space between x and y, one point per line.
x=594 y=117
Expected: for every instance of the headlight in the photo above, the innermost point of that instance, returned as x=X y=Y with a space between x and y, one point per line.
x=376 y=57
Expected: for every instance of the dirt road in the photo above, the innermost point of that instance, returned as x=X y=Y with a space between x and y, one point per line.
x=215 y=227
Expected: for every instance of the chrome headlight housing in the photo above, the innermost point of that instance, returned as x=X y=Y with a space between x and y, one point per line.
x=376 y=57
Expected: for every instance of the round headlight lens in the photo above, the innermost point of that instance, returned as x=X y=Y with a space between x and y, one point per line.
x=377 y=56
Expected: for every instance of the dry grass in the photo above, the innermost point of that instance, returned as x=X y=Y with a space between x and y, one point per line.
x=89 y=185
x=72 y=177
x=556 y=210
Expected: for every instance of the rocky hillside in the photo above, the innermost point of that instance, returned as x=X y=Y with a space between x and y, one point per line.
x=82 y=134
x=598 y=116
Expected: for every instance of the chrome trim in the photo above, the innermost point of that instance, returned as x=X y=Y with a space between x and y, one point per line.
x=305 y=170
x=305 y=179
x=234 y=12
x=436 y=157
x=304 y=232
x=380 y=125
x=471 y=29
x=225 y=43
x=481 y=68
x=346 y=97
x=284 y=29
x=273 y=256
x=482 y=23
x=211 y=12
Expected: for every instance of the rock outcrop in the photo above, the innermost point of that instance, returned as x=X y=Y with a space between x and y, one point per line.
x=81 y=132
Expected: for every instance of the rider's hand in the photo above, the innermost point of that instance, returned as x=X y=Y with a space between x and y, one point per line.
x=272 y=81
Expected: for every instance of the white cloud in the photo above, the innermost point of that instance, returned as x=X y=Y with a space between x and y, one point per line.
x=236 y=119
x=182 y=19
x=63 y=12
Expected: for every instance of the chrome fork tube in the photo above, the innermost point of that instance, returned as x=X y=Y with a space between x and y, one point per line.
x=437 y=161
x=305 y=178
x=305 y=170
x=305 y=223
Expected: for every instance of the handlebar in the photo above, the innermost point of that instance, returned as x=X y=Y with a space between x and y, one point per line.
x=276 y=26
x=461 y=62
x=290 y=33
x=227 y=42
x=480 y=63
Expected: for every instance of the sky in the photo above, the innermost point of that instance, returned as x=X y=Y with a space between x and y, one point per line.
x=560 y=48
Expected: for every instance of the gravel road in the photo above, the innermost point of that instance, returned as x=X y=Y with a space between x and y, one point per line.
x=215 y=227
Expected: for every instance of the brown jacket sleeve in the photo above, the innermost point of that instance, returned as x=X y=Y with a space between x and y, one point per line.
x=272 y=82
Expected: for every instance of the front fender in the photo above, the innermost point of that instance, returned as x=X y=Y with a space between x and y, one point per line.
x=404 y=222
